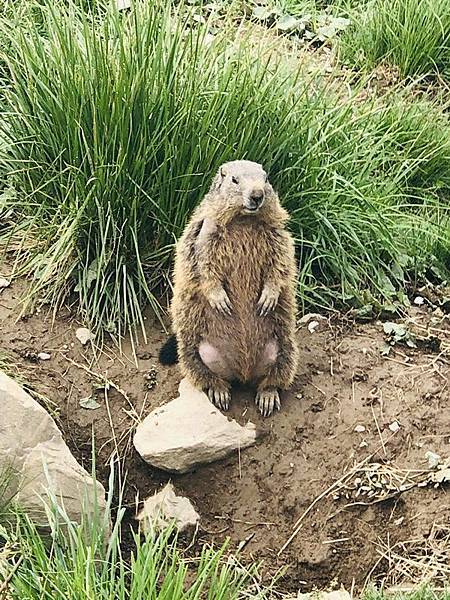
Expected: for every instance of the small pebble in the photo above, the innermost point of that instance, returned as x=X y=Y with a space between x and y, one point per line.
x=419 y=300
x=394 y=426
x=44 y=356
x=83 y=335
x=360 y=428
x=312 y=326
x=4 y=283
x=433 y=459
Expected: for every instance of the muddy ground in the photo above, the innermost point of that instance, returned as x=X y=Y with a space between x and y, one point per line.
x=399 y=405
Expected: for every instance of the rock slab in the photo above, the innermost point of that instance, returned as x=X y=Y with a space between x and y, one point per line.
x=189 y=431
x=164 y=508
x=32 y=448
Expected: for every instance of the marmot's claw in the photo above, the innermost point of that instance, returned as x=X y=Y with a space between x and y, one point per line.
x=225 y=306
x=266 y=308
x=267 y=302
x=267 y=401
x=220 y=398
x=221 y=302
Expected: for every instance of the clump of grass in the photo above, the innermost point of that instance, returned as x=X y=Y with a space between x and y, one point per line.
x=114 y=133
x=412 y=35
x=115 y=130
x=363 y=205
x=89 y=561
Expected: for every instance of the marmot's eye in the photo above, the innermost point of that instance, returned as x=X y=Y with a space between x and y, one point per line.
x=235 y=180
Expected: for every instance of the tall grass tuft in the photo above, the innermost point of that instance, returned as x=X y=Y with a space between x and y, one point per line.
x=115 y=124
x=412 y=35
x=115 y=130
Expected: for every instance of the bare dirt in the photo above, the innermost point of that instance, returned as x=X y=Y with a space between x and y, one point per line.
x=344 y=382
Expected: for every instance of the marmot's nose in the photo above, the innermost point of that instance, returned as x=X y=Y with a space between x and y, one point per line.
x=256 y=197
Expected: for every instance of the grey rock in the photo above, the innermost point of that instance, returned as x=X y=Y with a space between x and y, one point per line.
x=32 y=446
x=189 y=431
x=164 y=508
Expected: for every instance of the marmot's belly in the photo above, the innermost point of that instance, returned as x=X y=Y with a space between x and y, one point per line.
x=241 y=339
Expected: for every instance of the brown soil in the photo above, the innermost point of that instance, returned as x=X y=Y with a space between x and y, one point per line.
x=343 y=382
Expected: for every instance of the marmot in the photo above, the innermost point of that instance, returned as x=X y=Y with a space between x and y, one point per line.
x=233 y=307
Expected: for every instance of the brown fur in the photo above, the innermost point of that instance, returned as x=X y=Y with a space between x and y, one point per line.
x=231 y=261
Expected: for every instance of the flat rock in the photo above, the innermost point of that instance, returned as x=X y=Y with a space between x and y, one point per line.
x=164 y=508
x=189 y=431
x=32 y=447
x=4 y=283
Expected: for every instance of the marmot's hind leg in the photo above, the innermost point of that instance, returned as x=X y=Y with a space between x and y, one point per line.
x=279 y=375
x=203 y=377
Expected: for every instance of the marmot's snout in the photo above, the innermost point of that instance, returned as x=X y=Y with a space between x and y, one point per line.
x=254 y=201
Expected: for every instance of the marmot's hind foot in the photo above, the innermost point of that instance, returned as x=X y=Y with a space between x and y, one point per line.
x=267 y=401
x=220 y=398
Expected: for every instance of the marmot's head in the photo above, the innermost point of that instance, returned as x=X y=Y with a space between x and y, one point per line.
x=243 y=186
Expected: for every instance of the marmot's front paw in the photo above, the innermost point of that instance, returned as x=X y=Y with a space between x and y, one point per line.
x=218 y=299
x=267 y=401
x=220 y=398
x=268 y=300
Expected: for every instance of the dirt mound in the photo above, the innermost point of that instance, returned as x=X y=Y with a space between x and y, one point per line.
x=351 y=406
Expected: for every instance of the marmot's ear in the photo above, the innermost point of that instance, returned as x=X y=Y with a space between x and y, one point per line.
x=218 y=180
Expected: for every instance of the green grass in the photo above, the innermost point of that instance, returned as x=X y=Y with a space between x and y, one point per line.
x=114 y=131
x=88 y=562
x=411 y=35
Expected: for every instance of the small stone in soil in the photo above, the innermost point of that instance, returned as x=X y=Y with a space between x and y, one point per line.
x=83 y=335
x=433 y=459
x=4 y=283
x=90 y=403
x=312 y=326
x=360 y=428
x=44 y=356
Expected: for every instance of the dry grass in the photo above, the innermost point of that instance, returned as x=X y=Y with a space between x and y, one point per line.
x=425 y=559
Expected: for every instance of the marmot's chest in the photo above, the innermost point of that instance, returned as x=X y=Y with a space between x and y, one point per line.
x=243 y=253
